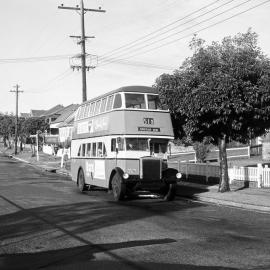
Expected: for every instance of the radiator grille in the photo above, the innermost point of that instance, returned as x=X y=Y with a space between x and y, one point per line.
x=150 y=168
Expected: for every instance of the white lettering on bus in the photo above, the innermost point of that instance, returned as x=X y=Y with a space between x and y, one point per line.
x=91 y=126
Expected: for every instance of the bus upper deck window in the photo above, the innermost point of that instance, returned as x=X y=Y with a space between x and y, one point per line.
x=136 y=101
x=154 y=102
x=109 y=103
x=103 y=104
x=117 y=101
x=97 y=107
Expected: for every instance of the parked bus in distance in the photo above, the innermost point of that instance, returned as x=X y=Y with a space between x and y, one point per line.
x=120 y=142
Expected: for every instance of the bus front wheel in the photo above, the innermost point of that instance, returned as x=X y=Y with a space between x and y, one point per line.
x=81 y=181
x=169 y=192
x=118 y=188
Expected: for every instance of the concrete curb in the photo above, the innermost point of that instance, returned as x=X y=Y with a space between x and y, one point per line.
x=205 y=199
x=44 y=167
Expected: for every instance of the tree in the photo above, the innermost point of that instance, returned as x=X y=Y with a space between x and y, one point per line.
x=222 y=91
x=31 y=126
x=7 y=128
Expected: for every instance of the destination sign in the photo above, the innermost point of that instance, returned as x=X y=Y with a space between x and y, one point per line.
x=149 y=129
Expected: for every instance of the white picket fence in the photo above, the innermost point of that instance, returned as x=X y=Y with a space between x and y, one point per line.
x=190 y=156
x=259 y=174
x=199 y=169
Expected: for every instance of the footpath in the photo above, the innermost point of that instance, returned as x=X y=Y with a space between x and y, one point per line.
x=246 y=198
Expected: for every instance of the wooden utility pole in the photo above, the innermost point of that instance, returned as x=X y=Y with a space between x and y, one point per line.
x=82 y=38
x=16 y=91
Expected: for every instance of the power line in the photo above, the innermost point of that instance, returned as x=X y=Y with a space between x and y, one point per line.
x=34 y=59
x=195 y=32
x=162 y=28
x=136 y=63
x=185 y=29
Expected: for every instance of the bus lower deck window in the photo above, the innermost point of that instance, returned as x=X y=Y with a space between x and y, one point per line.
x=88 y=150
x=94 y=148
x=79 y=151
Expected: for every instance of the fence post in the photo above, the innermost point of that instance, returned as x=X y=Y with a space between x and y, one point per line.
x=249 y=151
x=207 y=172
x=259 y=175
x=186 y=171
x=231 y=174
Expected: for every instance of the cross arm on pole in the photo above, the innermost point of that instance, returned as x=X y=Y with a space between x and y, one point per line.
x=85 y=9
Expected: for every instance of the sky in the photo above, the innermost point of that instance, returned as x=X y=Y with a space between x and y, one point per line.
x=135 y=42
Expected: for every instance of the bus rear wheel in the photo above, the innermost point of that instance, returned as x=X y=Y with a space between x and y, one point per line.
x=81 y=181
x=118 y=188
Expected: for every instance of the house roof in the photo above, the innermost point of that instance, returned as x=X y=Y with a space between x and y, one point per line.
x=66 y=113
x=54 y=110
x=36 y=113
x=25 y=115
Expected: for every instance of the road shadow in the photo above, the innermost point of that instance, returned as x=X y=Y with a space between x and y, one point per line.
x=73 y=221
x=72 y=256
x=78 y=218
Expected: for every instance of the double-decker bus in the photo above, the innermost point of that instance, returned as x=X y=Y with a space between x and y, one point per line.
x=120 y=142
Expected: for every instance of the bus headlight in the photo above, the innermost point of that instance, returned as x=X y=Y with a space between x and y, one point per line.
x=125 y=175
x=179 y=175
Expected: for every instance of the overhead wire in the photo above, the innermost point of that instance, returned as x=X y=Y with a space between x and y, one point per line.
x=197 y=31
x=159 y=29
x=137 y=63
x=34 y=59
x=187 y=28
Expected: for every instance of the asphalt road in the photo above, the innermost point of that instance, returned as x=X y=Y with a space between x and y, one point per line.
x=45 y=223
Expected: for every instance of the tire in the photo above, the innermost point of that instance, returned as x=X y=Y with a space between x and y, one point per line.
x=170 y=191
x=81 y=181
x=118 y=188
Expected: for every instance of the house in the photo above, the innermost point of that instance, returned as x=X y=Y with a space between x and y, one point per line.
x=25 y=115
x=53 y=113
x=37 y=113
x=61 y=129
x=63 y=124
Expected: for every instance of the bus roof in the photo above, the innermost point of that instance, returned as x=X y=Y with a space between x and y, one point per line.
x=134 y=88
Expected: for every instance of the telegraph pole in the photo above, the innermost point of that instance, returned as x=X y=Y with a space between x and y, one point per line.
x=16 y=91
x=82 y=38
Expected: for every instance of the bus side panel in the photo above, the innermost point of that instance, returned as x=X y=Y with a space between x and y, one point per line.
x=130 y=166
x=95 y=172
x=76 y=163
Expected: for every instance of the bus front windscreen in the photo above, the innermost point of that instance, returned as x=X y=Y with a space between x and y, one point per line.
x=137 y=144
x=157 y=146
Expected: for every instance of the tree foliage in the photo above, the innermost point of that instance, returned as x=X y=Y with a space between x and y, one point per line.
x=222 y=91
x=26 y=127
